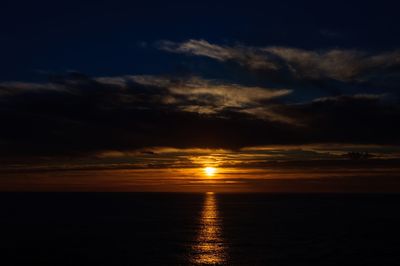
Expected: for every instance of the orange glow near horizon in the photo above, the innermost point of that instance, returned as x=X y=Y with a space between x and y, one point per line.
x=225 y=179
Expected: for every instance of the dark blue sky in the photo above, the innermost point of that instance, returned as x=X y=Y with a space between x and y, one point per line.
x=174 y=85
x=106 y=38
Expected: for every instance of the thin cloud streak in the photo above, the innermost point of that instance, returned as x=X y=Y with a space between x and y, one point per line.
x=336 y=64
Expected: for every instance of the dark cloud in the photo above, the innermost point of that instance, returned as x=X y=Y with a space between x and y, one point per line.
x=76 y=114
x=84 y=115
x=351 y=119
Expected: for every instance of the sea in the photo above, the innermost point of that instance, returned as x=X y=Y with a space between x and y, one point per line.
x=199 y=229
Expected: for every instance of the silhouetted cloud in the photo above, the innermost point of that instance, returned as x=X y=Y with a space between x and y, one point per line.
x=76 y=114
x=82 y=114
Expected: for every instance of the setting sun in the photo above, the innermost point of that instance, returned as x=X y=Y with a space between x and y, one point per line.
x=210 y=171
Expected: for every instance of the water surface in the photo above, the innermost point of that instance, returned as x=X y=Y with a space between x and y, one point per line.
x=198 y=229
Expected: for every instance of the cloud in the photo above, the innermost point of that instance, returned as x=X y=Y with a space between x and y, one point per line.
x=201 y=48
x=248 y=56
x=360 y=118
x=81 y=115
x=192 y=94
x=343 y=65
x=210 y=97
x=11 y=88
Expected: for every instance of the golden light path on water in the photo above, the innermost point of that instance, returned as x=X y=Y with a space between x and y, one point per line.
x=209 y=247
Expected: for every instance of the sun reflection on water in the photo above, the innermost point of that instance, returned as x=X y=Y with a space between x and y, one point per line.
x=209 y=247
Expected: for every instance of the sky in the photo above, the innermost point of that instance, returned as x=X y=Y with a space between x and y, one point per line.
x=277 y=96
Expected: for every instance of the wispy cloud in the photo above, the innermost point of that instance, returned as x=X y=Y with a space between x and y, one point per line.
x=336 y=64
x=193 y=94
x=12 y=88
x=209 y=96
x=249 y=56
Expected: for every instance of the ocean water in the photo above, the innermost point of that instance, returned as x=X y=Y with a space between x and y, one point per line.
x=198 y=229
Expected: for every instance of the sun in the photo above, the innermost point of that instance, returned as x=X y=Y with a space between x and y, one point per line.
x=210 y=171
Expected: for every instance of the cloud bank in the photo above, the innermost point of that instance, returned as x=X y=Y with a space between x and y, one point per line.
x=77 y=114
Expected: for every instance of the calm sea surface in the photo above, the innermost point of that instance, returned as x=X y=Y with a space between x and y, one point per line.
x=198 y=229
